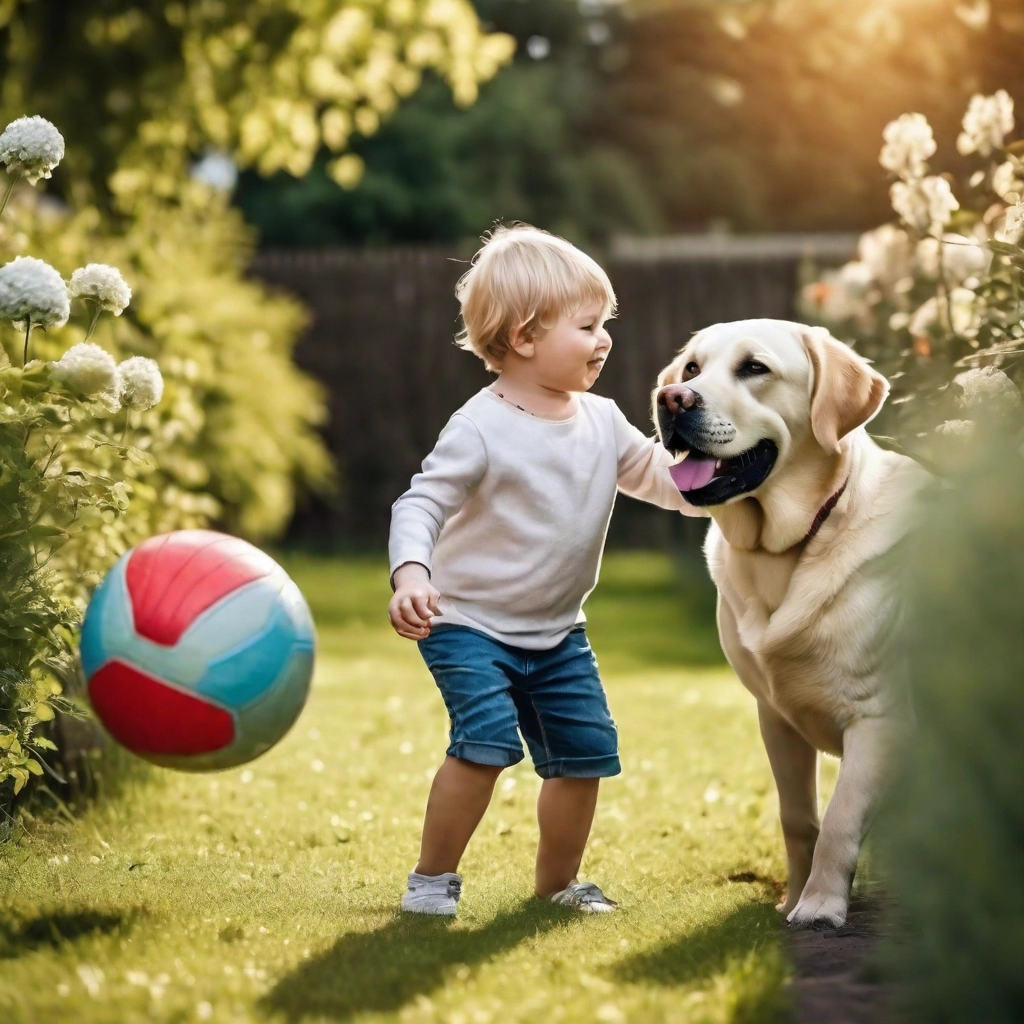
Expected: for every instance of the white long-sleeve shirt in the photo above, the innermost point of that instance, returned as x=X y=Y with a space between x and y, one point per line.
x=510 y=512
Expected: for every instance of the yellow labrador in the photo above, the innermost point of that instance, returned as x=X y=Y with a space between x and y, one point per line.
x=806 y=508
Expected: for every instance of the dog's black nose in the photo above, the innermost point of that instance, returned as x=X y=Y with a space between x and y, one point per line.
x=678 y=398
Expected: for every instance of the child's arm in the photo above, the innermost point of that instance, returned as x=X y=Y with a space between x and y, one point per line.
x=643 y=468
x=437 y=492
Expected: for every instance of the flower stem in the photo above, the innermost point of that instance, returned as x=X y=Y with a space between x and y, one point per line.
x=127 y=422
x=28 y=332
x=93 y=322
x=7 y=195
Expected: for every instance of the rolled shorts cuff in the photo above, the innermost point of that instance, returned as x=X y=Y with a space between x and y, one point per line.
x=602 y=767
x=485 y=753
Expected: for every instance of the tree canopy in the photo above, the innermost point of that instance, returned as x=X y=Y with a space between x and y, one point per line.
x=649 y=115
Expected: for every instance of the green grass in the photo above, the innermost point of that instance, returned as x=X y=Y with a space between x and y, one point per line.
x=268 y=893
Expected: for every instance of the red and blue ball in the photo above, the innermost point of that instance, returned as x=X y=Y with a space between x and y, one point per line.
x=198 y=650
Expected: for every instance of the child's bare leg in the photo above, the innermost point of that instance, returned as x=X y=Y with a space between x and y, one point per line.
x=565 y=812
x=458 y=798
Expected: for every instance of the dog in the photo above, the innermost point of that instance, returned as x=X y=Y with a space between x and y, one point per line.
x=808 y=513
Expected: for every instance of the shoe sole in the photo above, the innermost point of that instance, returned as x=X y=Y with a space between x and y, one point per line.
x=430 y=912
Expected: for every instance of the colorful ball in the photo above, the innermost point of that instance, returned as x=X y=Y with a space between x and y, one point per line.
x=198 y=649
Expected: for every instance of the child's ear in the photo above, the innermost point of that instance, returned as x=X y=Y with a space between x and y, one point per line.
x=521 y=340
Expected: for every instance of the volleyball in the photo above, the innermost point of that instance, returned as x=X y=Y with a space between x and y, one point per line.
x=198 y=651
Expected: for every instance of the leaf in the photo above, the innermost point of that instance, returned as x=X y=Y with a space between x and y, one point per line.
x=44 y=712
x=20 y=777
x=34 y=767
x=1005 y=248
x=43 y=743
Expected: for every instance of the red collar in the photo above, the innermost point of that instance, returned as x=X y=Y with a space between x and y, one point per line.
x=825 y=511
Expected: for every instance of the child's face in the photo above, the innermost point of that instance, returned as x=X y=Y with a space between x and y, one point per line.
x=569 y=356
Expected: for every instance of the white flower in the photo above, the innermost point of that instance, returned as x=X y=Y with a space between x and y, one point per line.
x=956 y=428
x=1013 y=225
x=989 y=119
x=989 y=388
x=32 y=290
x=103 y=284
x=888 y=253
x=963 y=304
x=908 y=144
x=1006 y=184
x=87 y=369
x=840 y=294
x=926 y=205
x=140 y=385
x=31 y=147
x=962 y=258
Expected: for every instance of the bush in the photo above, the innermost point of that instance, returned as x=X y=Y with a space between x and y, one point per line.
x=952 y=838
x=939 y=292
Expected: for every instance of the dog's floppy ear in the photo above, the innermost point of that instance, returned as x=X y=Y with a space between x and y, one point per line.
x=847 y=391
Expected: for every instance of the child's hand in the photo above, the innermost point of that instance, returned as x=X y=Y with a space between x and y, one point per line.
x=414 y=603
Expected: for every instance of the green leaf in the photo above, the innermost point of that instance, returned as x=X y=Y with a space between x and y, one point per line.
x=44 y=712
x=34 y=767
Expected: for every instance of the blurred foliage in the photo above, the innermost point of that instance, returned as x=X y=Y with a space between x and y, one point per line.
x=267 y=81
x=652 y=116
x=535 y=147
x=953 y=834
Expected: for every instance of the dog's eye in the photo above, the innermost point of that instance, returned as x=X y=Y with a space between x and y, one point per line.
x=691 y=370
x=752 y=368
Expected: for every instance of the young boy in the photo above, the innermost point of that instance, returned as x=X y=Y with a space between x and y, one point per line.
x=495 y=547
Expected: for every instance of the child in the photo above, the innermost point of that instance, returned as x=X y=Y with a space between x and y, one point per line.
x=495 y=547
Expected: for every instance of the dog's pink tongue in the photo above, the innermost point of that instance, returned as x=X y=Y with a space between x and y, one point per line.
x=693 y=472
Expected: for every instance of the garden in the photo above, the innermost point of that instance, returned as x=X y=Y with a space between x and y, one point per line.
x=151 y=381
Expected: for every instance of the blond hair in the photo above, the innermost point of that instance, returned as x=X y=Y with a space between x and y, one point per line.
x=524 y=277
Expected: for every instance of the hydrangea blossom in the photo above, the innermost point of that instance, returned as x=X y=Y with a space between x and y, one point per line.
x=87 y=369
x=31 y=147
x=140 y=385
x=989 y=388
x=103 y=284
x=1013 y=225
x=888 y=253
x=962 y=258
x=926 y=205
x=956 y=428
x=989 y=119
x=32 y=291
x=1006 y=184
x=909 y=143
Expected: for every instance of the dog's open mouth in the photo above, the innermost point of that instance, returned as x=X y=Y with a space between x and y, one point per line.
x=705 y=480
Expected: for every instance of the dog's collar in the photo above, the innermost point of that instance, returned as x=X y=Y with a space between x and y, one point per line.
x=825 y=511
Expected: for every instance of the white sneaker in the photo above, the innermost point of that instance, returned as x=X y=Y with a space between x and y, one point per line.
x=585 y=897
x=433 y=894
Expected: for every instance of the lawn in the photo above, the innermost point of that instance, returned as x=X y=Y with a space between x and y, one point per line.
x=269 y=893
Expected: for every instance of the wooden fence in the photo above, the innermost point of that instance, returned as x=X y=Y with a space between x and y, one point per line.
x=380 y=340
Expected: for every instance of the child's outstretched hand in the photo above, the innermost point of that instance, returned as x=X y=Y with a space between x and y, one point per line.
x=414 y=603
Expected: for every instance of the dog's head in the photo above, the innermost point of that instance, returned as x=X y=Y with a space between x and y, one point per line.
x=741 y=398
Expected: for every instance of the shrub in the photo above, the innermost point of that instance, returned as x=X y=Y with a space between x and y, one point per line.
x=952 y=839
x=940 y=291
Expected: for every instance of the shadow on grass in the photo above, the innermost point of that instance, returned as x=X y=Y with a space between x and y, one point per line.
x=701 y=954
x=383 y=970
x=18 y=937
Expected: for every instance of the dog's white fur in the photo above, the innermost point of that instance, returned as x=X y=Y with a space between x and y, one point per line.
x=810 y=626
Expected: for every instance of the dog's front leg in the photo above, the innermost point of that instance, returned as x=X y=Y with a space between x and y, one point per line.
x=795 y=767
x=867 y=744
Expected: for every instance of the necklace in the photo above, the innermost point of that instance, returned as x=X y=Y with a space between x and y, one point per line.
x=514 y=405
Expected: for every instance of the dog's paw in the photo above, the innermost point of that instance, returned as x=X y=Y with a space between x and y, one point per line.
x=818 y=911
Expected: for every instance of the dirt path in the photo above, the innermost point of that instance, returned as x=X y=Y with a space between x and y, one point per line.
x=834 y=983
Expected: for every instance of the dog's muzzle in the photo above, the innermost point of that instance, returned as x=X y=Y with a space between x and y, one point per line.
x=686 y=426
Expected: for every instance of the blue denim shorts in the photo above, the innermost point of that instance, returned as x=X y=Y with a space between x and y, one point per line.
x=554 y=698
